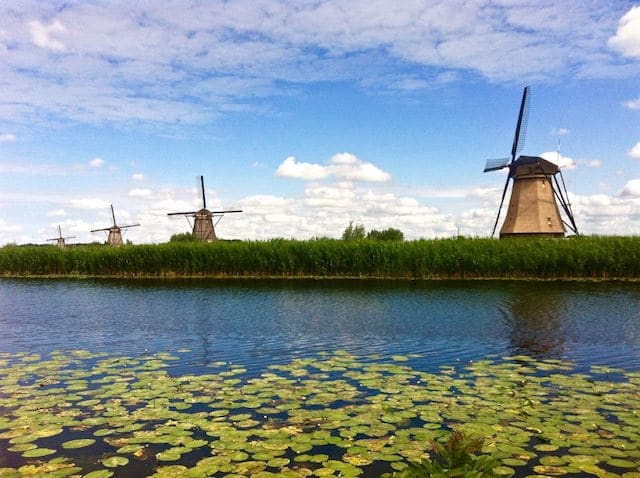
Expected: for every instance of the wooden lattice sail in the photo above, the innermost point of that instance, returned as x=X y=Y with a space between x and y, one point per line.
x=203 y=223
x=537 y=197
x=114 y=237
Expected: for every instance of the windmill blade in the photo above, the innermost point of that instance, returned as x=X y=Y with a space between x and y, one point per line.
x=69 y=237
x=521 y=127
x=226 y=212
x=130 y=225
x=204 y=199
x=504 y=193
x=181 y=213
x=496 y=164
x=103 y=229
x=113 y=215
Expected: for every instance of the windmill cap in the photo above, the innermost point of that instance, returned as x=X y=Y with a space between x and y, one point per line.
x=547 y=166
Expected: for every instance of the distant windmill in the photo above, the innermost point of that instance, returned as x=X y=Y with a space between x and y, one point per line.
x=536 y=192
x=60 y=241
x=203 y=226
x=115 y=231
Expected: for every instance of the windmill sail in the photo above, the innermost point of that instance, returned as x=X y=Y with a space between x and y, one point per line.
x=496 y=164
x=521 y=127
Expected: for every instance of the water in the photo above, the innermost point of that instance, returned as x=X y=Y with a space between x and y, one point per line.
x=257 y=323
x=251 y=325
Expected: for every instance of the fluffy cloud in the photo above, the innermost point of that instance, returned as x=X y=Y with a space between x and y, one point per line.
x=7 y=138
x=563 y=162
x=592 y=163
x=137 y=177
x=635 y=151
x=627 y=38
x=43 y=35
x=342 y=165
x=96 y=163
x=632 y=188
x=633 y=104
x=57 y=213
x=560 y=132
x=291 y=168
x=188 y=61
x=141 y=193
x=88 y=203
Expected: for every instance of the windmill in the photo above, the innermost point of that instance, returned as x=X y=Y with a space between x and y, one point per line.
x=115 y=232
x=203 y=226
x=60 y=241
x=536 y=193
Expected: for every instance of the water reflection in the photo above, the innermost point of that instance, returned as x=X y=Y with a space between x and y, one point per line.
x=258 y=323
x=534 y=322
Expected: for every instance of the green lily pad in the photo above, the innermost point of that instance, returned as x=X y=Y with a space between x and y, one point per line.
x=80 y=443
x=38 y=452
x=99 y=474
x=115 y=461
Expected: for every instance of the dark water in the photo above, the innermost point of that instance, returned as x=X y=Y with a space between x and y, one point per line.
x=257 y=323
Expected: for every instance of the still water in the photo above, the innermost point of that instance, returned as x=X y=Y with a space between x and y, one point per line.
x=258 y=323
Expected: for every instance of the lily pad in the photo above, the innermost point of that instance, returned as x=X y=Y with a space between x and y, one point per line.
x=80 y=443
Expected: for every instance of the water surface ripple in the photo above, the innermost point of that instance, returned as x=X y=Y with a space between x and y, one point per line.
x=257 y=323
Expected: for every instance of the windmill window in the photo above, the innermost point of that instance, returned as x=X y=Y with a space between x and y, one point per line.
x=549 y=221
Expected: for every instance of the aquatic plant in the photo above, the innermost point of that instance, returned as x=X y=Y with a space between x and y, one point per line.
x=580 y=257
x=456 y=457
x=335 y=414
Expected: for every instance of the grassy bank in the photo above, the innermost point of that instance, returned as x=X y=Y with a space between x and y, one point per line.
x=581 y=257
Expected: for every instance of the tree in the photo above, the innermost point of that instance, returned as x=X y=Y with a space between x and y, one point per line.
x=390 y=234
x=353 y=233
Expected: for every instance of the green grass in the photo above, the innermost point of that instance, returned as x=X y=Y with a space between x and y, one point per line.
x=580 y=257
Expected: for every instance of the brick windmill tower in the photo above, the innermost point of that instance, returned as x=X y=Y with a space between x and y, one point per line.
x=537 y=197
x=203 y=224
x=115 y=232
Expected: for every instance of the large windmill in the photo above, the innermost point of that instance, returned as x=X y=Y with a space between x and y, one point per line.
x=60 y=241
x=203 y=226
x=536 y=193
x=115 y=232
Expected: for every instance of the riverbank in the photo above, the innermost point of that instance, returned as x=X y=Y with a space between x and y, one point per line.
x=460 y=258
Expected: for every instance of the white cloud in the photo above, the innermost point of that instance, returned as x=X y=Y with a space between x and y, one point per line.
x=96 y=163
x=57 y=213
x=140 y=193
x=88 y=203
x=138 y=177
x=7 y=138
x=633 y=104
x=290 y=168
x=627 y=38
x=560 y=132
x=635 y=151
x=190 y=61
x=8 y=228
x=43 y=35
x=348 y=166
x=592 y=163
x=632 y=188
x=345 y=166
x=563 y=162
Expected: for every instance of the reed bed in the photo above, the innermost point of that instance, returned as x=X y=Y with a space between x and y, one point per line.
x=459 y=258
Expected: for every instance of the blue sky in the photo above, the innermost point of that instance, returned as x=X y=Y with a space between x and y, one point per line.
x=310 y=114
